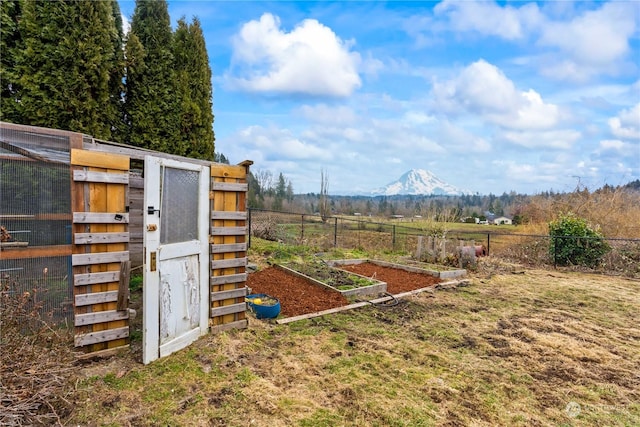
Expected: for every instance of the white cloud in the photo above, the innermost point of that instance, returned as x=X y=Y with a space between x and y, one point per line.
x=281 y=144
x=543 y=174
x=328 y=114
x=489 y=18
x=584 y=43
x=558 y=139
x=309 y=60
x=417 y=118
x=597 y=37
x=482 y=88
x=595 y=42
x=460 y=140
x=627 y=124
x=612 y=144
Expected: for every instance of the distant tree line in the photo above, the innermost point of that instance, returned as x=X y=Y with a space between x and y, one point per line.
x=607 y=205
x=267 y=193
x=68 y=65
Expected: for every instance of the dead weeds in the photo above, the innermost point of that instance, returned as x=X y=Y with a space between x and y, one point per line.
x=515 y=348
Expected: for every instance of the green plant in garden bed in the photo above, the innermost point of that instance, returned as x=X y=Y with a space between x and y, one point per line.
x=339 y=279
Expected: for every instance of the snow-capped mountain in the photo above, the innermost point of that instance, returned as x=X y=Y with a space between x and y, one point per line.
x=419 y=182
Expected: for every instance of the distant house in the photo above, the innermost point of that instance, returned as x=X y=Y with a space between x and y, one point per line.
x=502 y=220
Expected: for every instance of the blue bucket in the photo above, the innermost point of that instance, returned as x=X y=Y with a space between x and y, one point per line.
x=264 y=306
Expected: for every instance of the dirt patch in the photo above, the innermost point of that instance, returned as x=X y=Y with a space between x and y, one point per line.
x=297 y=296
x=398 y=280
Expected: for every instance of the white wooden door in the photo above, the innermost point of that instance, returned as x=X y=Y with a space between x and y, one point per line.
x=176 y=278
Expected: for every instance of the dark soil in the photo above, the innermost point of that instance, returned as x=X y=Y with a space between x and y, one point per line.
x=298 y=296
x=398 y=280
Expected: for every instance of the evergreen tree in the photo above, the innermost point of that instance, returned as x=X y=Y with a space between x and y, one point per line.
x=150 y=103
x=62 y=70
x=290 y=192
x=10 y=45
x=255 y=197
x=220 y=158
x=281 y=192
x=116 y=76
x=193 y=91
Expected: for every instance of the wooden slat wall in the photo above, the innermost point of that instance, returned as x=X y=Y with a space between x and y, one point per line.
x=100 y=249
x=136 y=219
x=228 y=239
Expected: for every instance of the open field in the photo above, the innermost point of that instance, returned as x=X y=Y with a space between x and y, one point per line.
x=516 y=347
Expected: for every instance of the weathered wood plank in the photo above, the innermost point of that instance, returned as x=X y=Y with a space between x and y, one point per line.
x=100 y=218
x=229 y=186
x=232 y=293
x=100 y=317
x=98 y=238
x=238 y=216
x=228 y=171
x=96 y=298
x=111 y=178
x=101 y=336
x=228 y=263
x=239 y=324
x=228 y=309
x=123 y=288
x=229 y=278
x=95 y=278
x=99 y=258
x=229 y=231
x=35 y=252
x=229 y=247
x=99 y=160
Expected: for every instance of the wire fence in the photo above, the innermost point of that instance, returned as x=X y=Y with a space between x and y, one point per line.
x=621 y=257
x=35 y=222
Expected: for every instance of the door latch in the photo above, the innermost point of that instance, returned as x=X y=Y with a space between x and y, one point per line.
x=152 y=261
x=151 y=210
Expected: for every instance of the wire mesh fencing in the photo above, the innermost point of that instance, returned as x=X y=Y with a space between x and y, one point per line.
x=621 y=257
x=35 y=222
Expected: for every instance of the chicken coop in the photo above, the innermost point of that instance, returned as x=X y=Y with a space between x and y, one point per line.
x=79 y=216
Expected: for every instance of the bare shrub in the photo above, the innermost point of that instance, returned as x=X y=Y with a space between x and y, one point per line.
x=266 y=228
x=36 y=362
x=616 y=211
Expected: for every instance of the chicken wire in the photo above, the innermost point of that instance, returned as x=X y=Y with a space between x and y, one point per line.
x=35 y=213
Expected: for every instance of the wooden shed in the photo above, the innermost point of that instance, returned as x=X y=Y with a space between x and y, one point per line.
x=79 y=214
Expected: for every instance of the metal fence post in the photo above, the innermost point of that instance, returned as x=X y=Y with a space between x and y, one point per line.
x=393 y=238
x=302 y=229
x=488 y=242
x=335 y=233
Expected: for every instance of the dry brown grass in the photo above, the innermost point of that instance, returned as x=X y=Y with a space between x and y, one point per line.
x=515 y=348
x=36 y=362
x=615 y=211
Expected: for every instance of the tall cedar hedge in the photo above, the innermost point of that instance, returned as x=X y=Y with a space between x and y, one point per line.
x=65 y=65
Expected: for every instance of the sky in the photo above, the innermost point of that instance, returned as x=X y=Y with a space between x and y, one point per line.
x=491 y=97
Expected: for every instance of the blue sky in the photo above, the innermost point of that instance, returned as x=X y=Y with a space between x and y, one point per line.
x=490 y=97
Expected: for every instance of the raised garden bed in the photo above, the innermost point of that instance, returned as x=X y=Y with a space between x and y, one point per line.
x=300 y=296
x=297 y=295
x=399 y=278
x=415 y=268
x=320 y=273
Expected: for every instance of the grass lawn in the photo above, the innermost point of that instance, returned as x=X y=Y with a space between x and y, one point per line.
x=538 y=348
